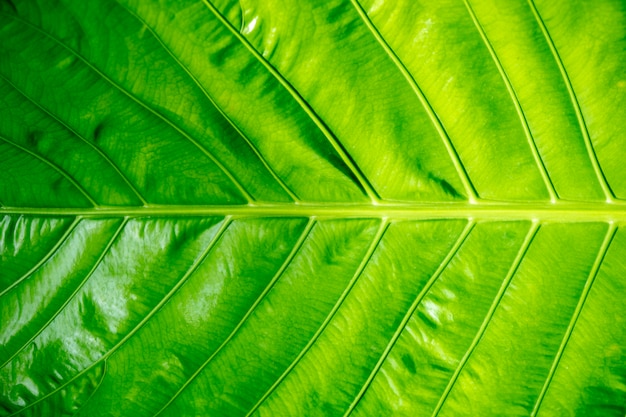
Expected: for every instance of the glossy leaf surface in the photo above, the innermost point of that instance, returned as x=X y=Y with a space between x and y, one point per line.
x=304 y=208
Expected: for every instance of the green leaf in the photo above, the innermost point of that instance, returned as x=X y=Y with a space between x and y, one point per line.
x=302 y=208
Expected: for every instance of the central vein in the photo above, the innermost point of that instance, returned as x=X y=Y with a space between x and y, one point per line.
x=542 y=211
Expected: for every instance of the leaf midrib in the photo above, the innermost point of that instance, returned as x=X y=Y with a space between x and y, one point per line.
x=487 y=210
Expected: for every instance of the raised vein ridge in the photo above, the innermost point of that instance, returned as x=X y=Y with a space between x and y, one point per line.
x=539 y=210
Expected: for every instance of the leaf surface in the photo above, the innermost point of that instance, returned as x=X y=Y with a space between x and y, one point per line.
x=281 y=208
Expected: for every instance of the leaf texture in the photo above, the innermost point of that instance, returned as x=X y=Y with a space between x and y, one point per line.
x=303 y=208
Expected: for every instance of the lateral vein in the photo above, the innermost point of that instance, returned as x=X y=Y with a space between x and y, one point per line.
x=218 y=234
x=144 y=105
x=366 y=259
x=211 y=100
x=518 y=106
x=471 y=192
x=113 y=165
x=532 y=232
x=55 y=167
x=308 y=109
x=405 y=320
x=294 y=251
x=60 y=241
x=593 y=158
x=610 y=234
x=71 y=296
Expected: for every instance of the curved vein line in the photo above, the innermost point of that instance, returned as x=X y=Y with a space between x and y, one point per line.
x=294 y=251
x=55 y=167
x=308 y=109
x=610 y=234
x=62 y=239
x=71 y=296
x=532 y=232
x=554 y=196
x=368 y=255
x=142 y=104
x=593 y=158
x=469 y=188
x=105 y=367
x=225 y=223
x=79 y=136
x=442 y=266
x=231 y=122
x=242 y=17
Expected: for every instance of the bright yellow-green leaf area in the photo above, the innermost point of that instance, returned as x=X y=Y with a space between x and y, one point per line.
x=313 y=208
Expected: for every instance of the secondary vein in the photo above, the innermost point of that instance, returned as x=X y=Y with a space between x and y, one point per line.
x=294 y=251
x=144 y=105
x=211 y=100
x=113 y=165
x=218 y=234
x=60 y=241
x=366 y=259
x=518 y=107
x=55 y=167
x=470 y=191
x=593 y=158
x=610 y=234
x=442 y=266
x=335 y=143
x=532 y=232
x=71 y=296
